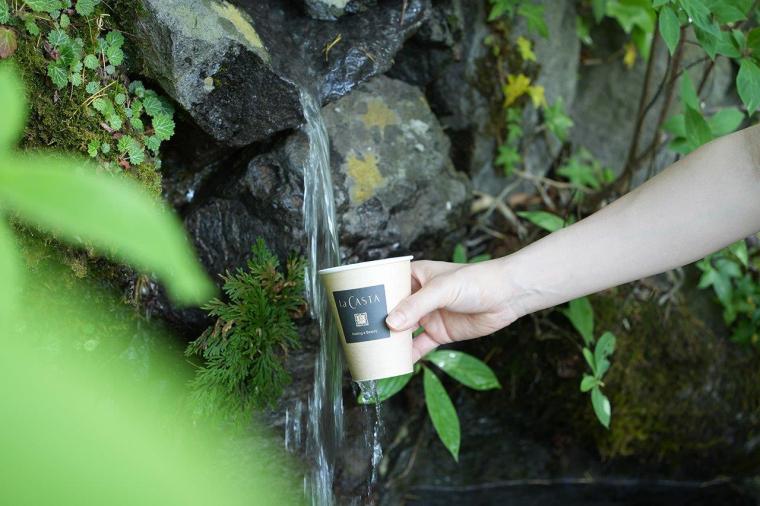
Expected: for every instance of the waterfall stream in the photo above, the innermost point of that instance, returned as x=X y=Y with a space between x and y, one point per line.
x=325 y=409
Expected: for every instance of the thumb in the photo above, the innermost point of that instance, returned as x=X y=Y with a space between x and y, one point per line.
x=410 y=311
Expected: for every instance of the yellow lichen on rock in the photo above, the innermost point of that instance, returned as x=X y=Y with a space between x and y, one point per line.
x=378 y=114
x=365 y=176
x=242 y=24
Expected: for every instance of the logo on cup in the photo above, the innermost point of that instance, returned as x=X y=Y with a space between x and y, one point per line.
x=361 y=319
x=362 y=313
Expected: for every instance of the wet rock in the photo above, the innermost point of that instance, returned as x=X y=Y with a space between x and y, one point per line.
x=333 y=9
x=395 y=186
x=237 y=70
x=208 y=57
x=396 y=190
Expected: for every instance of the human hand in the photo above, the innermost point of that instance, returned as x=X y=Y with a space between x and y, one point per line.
x=454 y=302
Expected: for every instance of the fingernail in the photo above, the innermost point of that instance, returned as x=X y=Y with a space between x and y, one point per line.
x=395 y=320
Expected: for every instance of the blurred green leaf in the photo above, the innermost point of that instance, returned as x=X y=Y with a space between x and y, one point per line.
x=670 y=28
x=697 y=130
x=442 y=413
x=725 y=121
x=66 y=197
x=605 y=347
x=602 y=407
x=465 y=368
x=739 y=250
x=689 y=92
x=632 y=13
x=479 y=258
x=460 y=254
x=534 y=15
x=386 y=388
x=590 y=359
x=13 y=102
x=581 y=315
x=588 y=382
x=543 y=219
x=748 y=84
x=10 y=274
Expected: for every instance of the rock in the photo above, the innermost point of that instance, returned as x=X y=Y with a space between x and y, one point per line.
x=238 y=71
x=208 y=57
x=396 y=190
x=333 y=9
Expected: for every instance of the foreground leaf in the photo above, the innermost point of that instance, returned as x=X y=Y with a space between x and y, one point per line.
x=697 y=130
x=386 y=388
x=442 y=413
x=10 y=274
x=66 y=197
x=670 y=28
x=748 y=84
x=465 y=368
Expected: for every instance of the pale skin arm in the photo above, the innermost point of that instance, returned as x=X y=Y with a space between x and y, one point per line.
x=698 y=205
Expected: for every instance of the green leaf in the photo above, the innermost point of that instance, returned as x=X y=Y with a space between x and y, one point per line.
x=92 y=148
x=480 y=258
x=697 y=130
x=748 y=84
x=120 y=98
x=115 y=39
x=602 y=407
x=675 y=125
x=605 y=347
x=739 y=250
x=632 y=13
x=557 y=120
x=590 y=359
x=64 y=21
x=753 y=42
x=105 y=148
x=588 y=382
x=92 y=87
x=581 y=315
x=152 y=105
x=57 y=38
x=534 y=15
x=464 y=368
x=8 y=42
x=115 y=55
x=689 y=92
x=543 y=219
x=10 y=273
x=153 y=143
x=386 y=388
x=599 y=9
x=670 y=28
x=442 y=412
x=31 y=27
x=91 y=61
x=86 y=7
x=460 y=254
x=42 y=5
x=4 y=13
x=163 y=125
x=67 y=197
x=58 y=74
x=726 y=13
x=725 y=121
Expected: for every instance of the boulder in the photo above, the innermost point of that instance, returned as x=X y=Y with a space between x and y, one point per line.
x=396 y=190
x=238 y=69
x=210 y=59
x=333 y=9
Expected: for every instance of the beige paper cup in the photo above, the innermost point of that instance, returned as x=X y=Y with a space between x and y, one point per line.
x=361 y=296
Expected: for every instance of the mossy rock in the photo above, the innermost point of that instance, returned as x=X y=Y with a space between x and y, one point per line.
x=681 y=395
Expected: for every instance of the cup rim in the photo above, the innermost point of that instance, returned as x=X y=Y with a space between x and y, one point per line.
x=361 y=265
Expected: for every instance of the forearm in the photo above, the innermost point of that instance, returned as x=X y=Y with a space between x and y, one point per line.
x=698 y=205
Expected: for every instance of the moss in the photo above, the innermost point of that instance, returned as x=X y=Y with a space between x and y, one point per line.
x=677 y=390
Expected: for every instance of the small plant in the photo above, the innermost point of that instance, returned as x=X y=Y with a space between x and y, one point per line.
x=466 y=369
x=243 y=351
x=733 y=275
x=70 y=44
x=581 y=315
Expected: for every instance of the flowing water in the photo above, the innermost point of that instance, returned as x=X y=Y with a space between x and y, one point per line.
x=325 y=410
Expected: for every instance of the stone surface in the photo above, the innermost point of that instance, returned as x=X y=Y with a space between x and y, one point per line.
x=210 y=59
x=333 y=9
x=396 y=190
x=237 y=69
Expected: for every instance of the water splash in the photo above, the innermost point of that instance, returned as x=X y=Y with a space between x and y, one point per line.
x=325 y=423
x=370 y=397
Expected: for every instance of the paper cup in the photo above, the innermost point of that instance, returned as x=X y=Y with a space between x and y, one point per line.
x=361 y=296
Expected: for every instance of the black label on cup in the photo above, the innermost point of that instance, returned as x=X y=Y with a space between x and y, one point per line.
x=362 y=313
